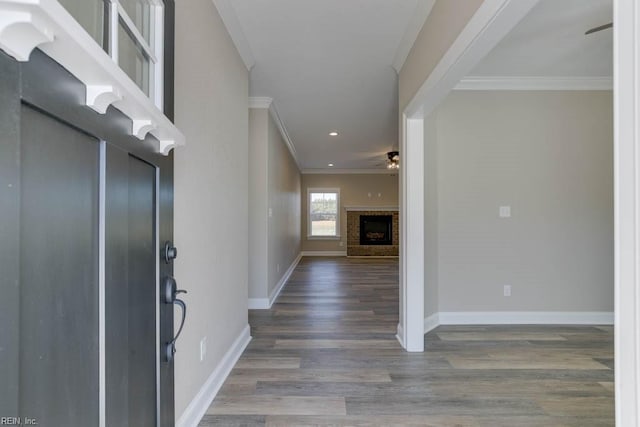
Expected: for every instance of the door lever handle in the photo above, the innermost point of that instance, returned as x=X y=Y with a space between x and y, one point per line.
x=170 y=292
x=170 y=348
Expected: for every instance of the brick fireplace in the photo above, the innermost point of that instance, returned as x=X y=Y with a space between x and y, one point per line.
x=373 y=232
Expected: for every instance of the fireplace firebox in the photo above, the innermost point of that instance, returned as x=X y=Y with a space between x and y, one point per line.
x=376 y=229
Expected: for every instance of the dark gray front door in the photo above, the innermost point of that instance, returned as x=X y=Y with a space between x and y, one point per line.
x=132 y=356
x=58 y=272
x=84 y=210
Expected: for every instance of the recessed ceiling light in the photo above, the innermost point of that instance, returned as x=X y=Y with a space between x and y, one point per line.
x=334 y=133
x=330 y=165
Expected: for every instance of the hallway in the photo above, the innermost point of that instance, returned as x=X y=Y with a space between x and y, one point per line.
x=326 y=354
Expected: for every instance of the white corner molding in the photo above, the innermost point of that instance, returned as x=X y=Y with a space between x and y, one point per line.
x=534 y=83
x=268 y=103
x=198 y=407
x=231 y=22
x=260 y=102
x=45 y=24
x=419 y=17
x=372 y=208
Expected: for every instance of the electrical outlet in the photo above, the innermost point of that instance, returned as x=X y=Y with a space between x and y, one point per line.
x=504 y=211
x=203 y=348
x=341 y=243
x=507 y=290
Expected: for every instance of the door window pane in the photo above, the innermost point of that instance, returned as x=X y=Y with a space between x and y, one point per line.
x=89 y=14
x=132 y=59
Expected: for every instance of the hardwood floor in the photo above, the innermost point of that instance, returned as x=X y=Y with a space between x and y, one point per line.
x=326 y=355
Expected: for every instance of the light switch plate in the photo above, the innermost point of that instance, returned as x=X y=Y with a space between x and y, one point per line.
x=505 y=211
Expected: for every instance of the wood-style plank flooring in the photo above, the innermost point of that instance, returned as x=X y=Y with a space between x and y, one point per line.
x=326 y=355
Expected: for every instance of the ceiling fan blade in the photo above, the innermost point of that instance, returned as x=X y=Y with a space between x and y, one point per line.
x=600 y=28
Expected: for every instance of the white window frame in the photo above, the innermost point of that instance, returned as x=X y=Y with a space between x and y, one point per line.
x=338 y=213
x=154 y=49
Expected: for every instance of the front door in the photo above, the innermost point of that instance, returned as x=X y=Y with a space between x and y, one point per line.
x=85 y=209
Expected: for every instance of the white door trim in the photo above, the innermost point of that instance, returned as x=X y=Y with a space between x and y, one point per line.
x=627 y=210
x=492 y=21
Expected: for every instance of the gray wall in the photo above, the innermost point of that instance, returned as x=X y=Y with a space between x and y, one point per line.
x=431 y=216
x=258 y=202
x=549 y=156
x=211 y=192
x=274 y=185
x=284 y=201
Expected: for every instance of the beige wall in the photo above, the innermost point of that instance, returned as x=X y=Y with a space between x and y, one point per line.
x=284 y=182
x=354 y=191
x=442 y=27
x=549 y=156
x=211 y=192
x=274 y=240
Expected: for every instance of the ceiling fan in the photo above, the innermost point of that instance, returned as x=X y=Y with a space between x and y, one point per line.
x=599 y=28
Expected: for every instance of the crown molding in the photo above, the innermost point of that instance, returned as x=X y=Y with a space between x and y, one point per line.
x=46 y=24
x=260 y=102
x=534 y=83
x=265 y=102
x=231 y=22
x=333 y=171
x=419 y=17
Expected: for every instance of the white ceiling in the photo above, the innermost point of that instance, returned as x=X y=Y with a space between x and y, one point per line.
x=550 y=41
x=328 y=65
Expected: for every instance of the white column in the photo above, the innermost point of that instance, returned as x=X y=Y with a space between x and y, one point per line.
x=627 y=213
x=411 y=328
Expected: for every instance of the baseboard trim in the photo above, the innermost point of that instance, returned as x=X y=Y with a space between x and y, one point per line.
x=431 y=322
x=374 y=256
x=519 y=318
x=324 y=253
x=198 y=407
x=276 y=291
x=400 y=335
x=258 y=303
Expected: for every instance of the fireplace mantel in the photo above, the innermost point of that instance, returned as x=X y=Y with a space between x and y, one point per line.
x=372 y=208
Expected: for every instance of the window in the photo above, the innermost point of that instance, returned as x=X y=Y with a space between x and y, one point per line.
x=131 y=32
x=323 y=220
